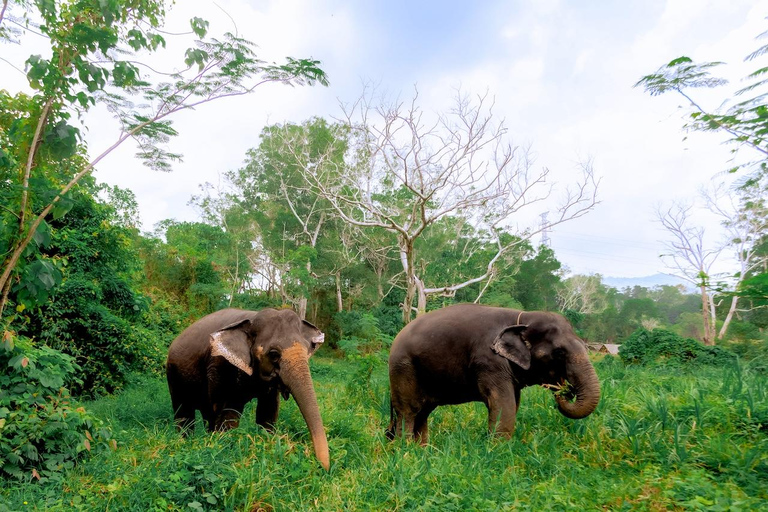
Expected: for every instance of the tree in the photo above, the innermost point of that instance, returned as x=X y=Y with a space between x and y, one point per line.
x=271 y=190
x=405 y=172
x=690 y=259
x=745 y=121
x=219 y=208
x=746 y=222
x=584 y=294
x=93 y=45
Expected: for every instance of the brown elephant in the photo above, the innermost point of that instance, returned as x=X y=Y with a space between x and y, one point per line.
x=472 y=353
x=225 y=359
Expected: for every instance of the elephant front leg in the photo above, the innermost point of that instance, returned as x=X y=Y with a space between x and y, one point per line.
x=267 y=409
x=502 y=409
x=226 y=416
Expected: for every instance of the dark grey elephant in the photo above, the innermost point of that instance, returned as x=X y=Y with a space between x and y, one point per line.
x=472 y=353
x=224 y=360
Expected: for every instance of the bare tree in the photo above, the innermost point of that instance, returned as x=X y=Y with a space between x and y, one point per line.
x=406 y=171
x=690 y=259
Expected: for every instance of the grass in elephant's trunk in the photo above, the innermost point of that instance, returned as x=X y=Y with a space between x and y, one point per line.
x=564 y=390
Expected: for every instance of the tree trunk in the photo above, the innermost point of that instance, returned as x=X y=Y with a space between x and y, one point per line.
x=339 y=300
x=421 y=302
x=705 y=317
x=406 y=259
x=379 y=286
x=302 y=312
x=728 y=317
x=410 y=292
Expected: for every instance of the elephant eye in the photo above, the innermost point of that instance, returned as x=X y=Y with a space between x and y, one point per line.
x=559 y=353
x=273 y=354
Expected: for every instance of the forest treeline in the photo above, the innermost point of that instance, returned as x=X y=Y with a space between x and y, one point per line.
x=112 y=296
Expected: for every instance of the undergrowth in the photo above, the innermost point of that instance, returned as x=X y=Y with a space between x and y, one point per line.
x=662 y=438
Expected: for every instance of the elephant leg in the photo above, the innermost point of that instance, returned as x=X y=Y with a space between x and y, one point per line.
x=421 y=425
x=267 y=409
x=405 y=401
x=228 y=416
x=184 y=418
x=209 y=418
x=403 y=423
x=517 y=399
x=502 y=408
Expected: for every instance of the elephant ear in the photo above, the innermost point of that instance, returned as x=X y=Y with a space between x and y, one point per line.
x=315 y=336
x=511 y=345
x=231 y=343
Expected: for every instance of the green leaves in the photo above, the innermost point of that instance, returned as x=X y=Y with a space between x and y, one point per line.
x=38 y=68
x=43 y=431
x=679 y=74
x=62 y=139
x=196 y=56
x=298 y=72
x=199 y=27
x=746 y=122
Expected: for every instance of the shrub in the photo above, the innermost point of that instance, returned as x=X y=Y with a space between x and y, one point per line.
x=665 y=347
x=106 y=346
x=359 y=333
x=42 y=431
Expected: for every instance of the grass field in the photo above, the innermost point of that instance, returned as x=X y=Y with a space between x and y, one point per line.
x=661 y=439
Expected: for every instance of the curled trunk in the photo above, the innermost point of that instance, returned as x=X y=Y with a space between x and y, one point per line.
x=586 y=388
x=295 y=374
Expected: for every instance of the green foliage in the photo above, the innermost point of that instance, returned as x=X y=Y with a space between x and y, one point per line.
x=43 y=432
x=93 y=313
x=79 y=322
x=188 y=268
x=744 y=120
x=661 y=346
x=358 y=333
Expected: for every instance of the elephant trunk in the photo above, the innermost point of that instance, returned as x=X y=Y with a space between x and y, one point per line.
x=295 y=374
x=582 y=376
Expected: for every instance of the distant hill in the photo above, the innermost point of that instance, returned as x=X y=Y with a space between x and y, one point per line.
x=647 y=282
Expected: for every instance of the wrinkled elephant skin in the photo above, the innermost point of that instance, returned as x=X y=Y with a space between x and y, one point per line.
x=226 y=359
x=472 y=353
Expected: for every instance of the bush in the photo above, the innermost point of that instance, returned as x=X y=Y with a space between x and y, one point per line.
x=665 y=347
x=42 y=432
x=359 y=333
x=106 y=346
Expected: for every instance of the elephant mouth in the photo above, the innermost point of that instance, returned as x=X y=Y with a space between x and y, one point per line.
x=279 y=386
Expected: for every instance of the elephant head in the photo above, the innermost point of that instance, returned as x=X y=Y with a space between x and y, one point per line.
x=545 y=345
x=274 y=346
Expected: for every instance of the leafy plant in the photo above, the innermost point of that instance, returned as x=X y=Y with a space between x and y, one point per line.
x=665 y=347
x=42 y=430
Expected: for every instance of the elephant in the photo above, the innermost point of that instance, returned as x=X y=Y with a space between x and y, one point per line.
x=473 y=353
x=225 y=359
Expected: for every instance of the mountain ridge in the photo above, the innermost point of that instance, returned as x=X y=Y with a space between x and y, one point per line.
x=651 y=281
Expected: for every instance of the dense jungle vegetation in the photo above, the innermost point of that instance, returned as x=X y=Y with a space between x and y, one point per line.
x=315 y=220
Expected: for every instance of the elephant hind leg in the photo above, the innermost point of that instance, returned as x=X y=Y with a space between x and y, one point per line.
x=406 y=400
x=421 y=425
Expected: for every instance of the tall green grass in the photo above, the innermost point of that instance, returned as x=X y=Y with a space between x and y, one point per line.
x=660 y=439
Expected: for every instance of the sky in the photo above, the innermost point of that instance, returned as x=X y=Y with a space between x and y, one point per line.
x=561 y=73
